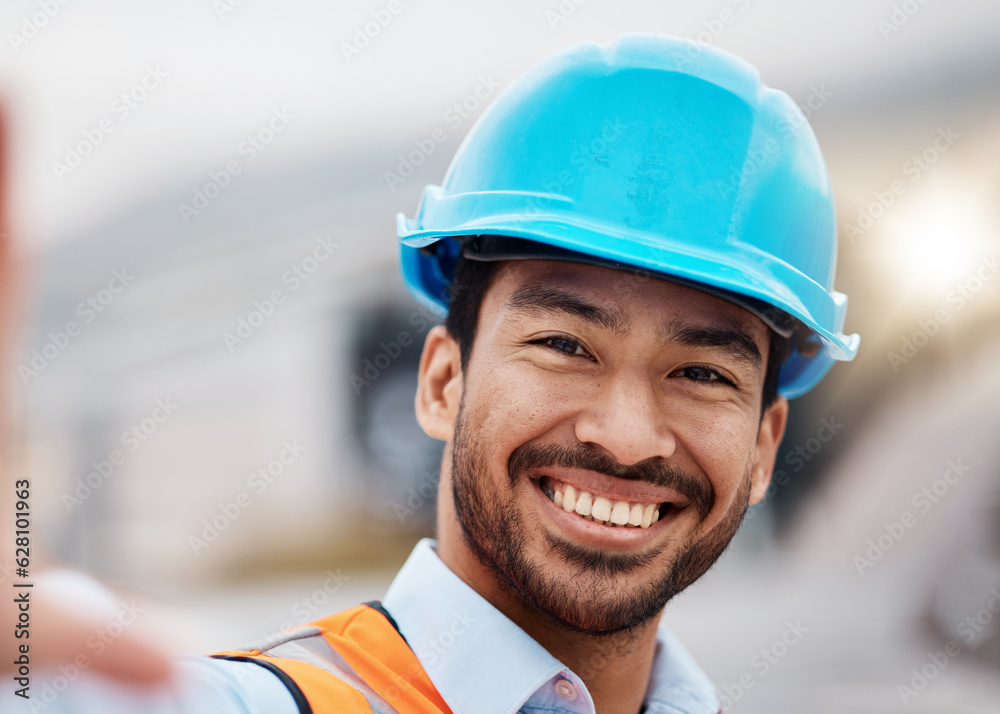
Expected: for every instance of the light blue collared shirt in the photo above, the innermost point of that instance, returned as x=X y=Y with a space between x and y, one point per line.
x=453 y=631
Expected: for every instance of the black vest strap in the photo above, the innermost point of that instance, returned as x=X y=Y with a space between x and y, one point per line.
x=300 y=699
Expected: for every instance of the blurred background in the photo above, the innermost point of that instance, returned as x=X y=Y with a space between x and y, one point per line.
x=215 y=378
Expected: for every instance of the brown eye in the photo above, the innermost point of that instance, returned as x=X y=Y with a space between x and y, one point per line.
x=699 y=373
x=562 y=344
x=568 y=346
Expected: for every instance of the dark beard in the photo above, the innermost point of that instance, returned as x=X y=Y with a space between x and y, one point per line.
x=494 y=531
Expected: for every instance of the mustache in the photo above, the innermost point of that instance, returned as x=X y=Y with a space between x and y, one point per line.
x=655 y=471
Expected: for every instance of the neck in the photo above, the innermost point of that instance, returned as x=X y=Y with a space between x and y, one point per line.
x=615 y=668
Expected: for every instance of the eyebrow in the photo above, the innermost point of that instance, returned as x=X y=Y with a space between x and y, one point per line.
x=734 y=342
x=540 y=299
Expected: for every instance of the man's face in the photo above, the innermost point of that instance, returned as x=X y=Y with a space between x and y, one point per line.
x=635 y=394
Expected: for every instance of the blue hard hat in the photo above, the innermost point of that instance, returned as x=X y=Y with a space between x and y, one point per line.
x=653 y=154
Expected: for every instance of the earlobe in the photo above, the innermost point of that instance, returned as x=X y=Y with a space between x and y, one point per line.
x=439 y=386
x=772 y=429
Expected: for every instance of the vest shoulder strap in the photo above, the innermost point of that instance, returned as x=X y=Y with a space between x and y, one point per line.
x=353 y=661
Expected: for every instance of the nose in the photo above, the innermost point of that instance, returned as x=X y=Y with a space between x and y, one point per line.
x=624 y=419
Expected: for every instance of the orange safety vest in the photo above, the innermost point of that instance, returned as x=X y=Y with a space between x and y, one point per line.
x=354 y=661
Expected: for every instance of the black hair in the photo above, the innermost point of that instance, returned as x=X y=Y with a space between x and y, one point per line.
x=473 y=278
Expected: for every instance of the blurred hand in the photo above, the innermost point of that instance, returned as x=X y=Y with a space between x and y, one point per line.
x=73 y=623
x=65 y=610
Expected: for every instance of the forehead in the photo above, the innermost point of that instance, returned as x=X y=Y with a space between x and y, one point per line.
x=634 y=299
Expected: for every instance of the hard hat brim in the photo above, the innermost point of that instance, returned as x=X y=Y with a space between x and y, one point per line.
x=771 y=282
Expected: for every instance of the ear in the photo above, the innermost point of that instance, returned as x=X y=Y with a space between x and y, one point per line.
x=772 y=429
x=439 y=386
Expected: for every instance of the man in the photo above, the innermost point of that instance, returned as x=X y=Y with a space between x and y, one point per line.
x=635 y=248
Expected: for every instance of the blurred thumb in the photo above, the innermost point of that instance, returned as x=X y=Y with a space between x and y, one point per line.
x=75 y=620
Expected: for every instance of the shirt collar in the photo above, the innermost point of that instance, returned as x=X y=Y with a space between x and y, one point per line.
x=480 y=661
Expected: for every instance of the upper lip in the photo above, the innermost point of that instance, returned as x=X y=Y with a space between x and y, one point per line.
x=614 y=489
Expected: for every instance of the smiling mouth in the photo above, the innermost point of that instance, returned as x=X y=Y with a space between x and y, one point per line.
x=622 y=514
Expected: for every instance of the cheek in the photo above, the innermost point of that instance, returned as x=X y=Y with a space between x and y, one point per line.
x=514 y=404
x=721 y=443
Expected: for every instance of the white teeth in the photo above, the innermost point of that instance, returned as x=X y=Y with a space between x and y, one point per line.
x=569 y=499
x=601 y=510
x=619 y=514
x=647 y=515
x=583 y=504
